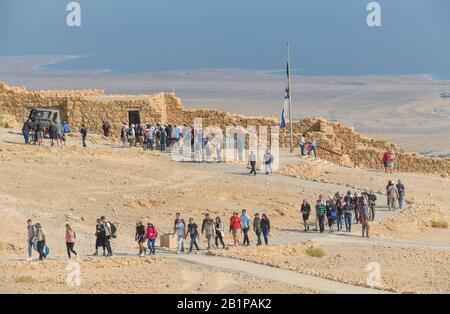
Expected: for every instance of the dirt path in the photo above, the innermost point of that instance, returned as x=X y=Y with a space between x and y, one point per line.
x=272 y=273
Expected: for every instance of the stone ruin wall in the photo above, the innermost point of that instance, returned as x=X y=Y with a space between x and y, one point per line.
x=91 y=107
x=352 y=148
x=88 y=107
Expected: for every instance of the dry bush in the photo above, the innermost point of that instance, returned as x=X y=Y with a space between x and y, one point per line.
x=439 y=224
x=25 y=279
x=315 y=251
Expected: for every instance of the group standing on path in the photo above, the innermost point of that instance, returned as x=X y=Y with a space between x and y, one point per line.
x=338 y=211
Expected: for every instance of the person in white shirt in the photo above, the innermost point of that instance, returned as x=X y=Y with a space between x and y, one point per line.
x=302 y=144
x=150 y=136
x=252 y=161
x=268 y=160
x=108 y=235
x=180 y=231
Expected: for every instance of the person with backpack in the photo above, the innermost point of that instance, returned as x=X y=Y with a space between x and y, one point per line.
x=106 y=128
x=180 y=231
x=268 y=161
x=219 y=232
x=39 y=133
x=109 y=234
x=331 y=215
x=124 y=135
x=60 y=137
x=53 y=133
x=192 y=230
x=131 y=135
x=235 y=226
x=257 y=228
x=320 y=212
x=100 y=237
x=163 y=138
x=303 y=144
x=83 y=132
x=401 y=193
x=372 y=199
x=150 y=136
x=31 y=236
x=26 y=129
x=348 y=216
x=140 y=135
x=364 y=220
x=305 y=210
x=392 y=195
x=140 y=237
x=208 y=229
x=70 y=241
x=66 y=128
x=245 y=223
x=265 y=228
x=41 y=239
x=340 y=215
x=152 y=234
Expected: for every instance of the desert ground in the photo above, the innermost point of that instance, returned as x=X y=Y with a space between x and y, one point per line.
x=406 y=110
x=71 y=184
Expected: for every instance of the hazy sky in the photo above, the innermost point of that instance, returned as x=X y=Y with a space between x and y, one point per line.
x=327 y=36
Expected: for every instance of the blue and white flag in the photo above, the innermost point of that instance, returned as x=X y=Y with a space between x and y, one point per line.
x=286 y=99
x=283 y=113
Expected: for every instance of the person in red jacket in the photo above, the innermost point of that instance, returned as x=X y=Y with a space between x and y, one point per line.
x=152 y=234
x=235 y=225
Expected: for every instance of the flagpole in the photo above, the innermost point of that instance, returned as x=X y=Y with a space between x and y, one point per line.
x=290 y=100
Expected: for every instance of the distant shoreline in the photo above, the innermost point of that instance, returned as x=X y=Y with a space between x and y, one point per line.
x=61 y=60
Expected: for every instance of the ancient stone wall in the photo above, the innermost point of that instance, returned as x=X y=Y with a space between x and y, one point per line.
x=88 y=107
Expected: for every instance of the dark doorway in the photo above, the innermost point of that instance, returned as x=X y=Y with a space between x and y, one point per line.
x=133 y=117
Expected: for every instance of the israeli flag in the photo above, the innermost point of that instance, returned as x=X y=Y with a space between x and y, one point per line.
x=283 y=113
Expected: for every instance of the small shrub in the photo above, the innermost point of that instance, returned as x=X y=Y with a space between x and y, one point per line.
x=439 y=224
x=315 y=251
x=25 y=279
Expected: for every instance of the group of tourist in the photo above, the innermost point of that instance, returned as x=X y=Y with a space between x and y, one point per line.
x=341 y=211
x=212 y=229
x=33 y=133
x=311 y=148
x=215 y=229
x=148 y=136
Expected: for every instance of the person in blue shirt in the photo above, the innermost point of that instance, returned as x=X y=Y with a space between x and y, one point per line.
x=245 y=223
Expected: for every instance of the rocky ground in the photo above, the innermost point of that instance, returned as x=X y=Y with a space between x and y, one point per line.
x=55 y=186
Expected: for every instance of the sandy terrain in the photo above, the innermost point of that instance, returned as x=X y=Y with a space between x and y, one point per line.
x=403 y=270
x=131 y=275
x=407 y=110
x=55 y=186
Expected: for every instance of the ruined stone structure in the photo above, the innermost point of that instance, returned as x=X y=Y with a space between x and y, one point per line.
x=88 y=107
x=336 y=142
